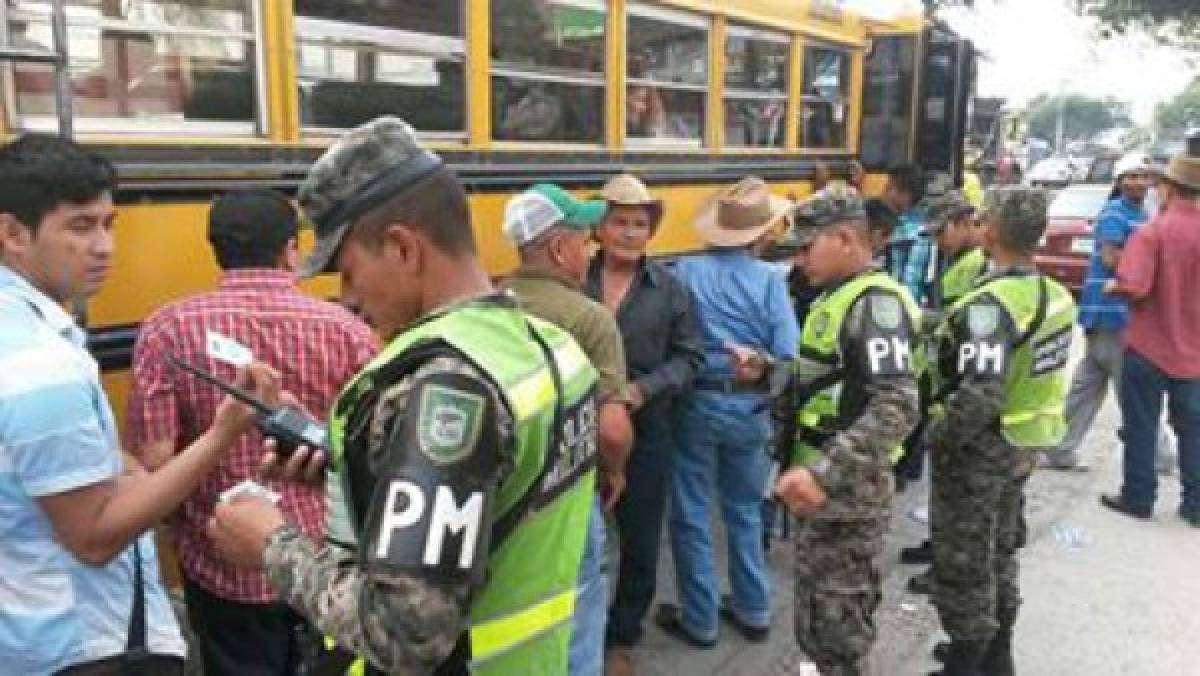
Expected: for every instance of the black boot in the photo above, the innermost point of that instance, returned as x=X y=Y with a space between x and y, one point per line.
x=998 y=658
x=962 y=658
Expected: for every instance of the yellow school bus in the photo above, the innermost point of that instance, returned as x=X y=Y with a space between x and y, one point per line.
x=194 y=97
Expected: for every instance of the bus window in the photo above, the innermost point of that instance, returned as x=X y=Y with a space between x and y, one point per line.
x=887 y=101
x=548 y=70
x=667 y=74
x=166 y=63
x=823 y=109
x=404 y=57
x=756 y=78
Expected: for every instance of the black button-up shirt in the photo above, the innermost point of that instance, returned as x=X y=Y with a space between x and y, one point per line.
x=663 y=345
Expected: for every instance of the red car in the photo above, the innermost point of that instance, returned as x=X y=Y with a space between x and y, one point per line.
x=1067 y=245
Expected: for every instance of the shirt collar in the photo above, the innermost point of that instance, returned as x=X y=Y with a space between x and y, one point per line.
x=46 y=308
x=647 y=270
x=257 y=279
x=524 y=272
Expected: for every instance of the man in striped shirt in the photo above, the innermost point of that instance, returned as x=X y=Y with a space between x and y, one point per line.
x=316 y=346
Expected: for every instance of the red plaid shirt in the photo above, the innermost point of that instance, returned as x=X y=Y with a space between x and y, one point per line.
x=317 y=347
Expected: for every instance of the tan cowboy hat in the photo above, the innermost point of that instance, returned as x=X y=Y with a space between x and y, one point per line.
x=739 y=214
x=627 y=191
x=1184 y=170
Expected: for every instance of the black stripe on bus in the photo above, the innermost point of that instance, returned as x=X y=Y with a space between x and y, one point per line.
x=197 y=174
x=112 y=346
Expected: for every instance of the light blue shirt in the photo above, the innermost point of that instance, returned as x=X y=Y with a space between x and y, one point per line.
x=911 y=256
x=1116 y=223
x=57 y=435
x=739 y=299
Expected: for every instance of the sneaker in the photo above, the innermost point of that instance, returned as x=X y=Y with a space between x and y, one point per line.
x=1118 y=504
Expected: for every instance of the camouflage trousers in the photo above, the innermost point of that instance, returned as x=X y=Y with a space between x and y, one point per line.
x=838 y=588
x=977 y=526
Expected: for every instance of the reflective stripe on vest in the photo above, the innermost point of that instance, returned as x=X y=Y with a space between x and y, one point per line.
x=822 y=328
x=1036 y=384
x=522 y=614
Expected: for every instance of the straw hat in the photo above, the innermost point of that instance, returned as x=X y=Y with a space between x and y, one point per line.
x=1184 y=170
x=739 y=214
x=627 y=191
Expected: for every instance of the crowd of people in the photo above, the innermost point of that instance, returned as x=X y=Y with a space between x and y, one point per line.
x=482 y=442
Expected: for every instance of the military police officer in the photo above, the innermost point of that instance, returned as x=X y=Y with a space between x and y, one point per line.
x=855 y=398
x=1000 y=378
x=461 y=457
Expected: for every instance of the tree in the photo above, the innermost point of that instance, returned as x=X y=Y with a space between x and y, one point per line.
x=1170 y=21
x=1174 y=117
x=1083 y=116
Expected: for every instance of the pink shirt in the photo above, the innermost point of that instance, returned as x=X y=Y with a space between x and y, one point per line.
x=1160 y=271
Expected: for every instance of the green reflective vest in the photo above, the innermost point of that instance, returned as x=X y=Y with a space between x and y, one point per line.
x=521 y=617
x=1035 y=386
x=961 y=276
x=820 y=360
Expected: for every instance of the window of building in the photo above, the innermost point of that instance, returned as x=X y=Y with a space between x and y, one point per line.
x=359 y=59
x=824 y=104
x=168 y=64
x=547 y=67
x=887 y=101
x=667 y=75
x=756 y=78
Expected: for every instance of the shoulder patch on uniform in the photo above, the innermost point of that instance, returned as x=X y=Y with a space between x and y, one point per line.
x=886 y=311
x=448 y=424
x=983 y=319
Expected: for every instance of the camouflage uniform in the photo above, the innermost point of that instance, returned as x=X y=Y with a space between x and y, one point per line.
x=401 y=622
x=977 y=494
x=837 y=576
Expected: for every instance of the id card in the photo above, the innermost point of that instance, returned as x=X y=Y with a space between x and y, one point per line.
x=228 y=350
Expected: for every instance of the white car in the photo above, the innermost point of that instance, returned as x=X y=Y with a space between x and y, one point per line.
x=1052 y=171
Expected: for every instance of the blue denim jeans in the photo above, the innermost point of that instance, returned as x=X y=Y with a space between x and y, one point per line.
x=586 y=651
x=1141 y=390
x=722 y=445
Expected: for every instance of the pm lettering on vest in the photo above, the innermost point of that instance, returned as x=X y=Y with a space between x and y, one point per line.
x=430 y=528
x=889 y=355
x=981 y=358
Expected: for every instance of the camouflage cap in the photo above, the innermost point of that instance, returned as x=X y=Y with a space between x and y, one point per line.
x=1018 y=211
x=944 y=209
x=836 y=204
x=368 y=165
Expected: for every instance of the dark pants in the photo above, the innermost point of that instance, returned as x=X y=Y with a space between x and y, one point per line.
x=245 y=639
x=639 y=516
x=115 y=666
x=912 y=463
x=1141 y=390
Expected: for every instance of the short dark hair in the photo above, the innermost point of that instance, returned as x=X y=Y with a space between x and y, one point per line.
x=40 y=172
x=436 y=204
x=251 y=228
x=880 y=217
x=908 y=178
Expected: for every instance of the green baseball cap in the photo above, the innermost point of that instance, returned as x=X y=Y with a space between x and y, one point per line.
x=530 y=214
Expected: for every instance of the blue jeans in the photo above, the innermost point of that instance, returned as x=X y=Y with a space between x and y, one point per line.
x=586 y=652
x=1141 y=390
x=722 y=444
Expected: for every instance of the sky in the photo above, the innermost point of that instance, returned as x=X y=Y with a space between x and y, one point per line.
x=1036 y=46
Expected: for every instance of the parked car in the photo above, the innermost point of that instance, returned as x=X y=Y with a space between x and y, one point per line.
x=1065 y=248
x=1054 y=171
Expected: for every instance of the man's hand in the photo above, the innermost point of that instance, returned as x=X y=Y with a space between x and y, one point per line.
x=636 y=398
x=232 y=417
x=305 y=464
x=239 y=530
x=748 y=363
x=1112 y=287
x=611 y=489
x=800 y=491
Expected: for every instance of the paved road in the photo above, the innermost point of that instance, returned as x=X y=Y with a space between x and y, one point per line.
x=1104 y=594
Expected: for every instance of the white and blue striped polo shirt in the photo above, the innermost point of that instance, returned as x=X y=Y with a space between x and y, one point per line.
x=56 y=435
